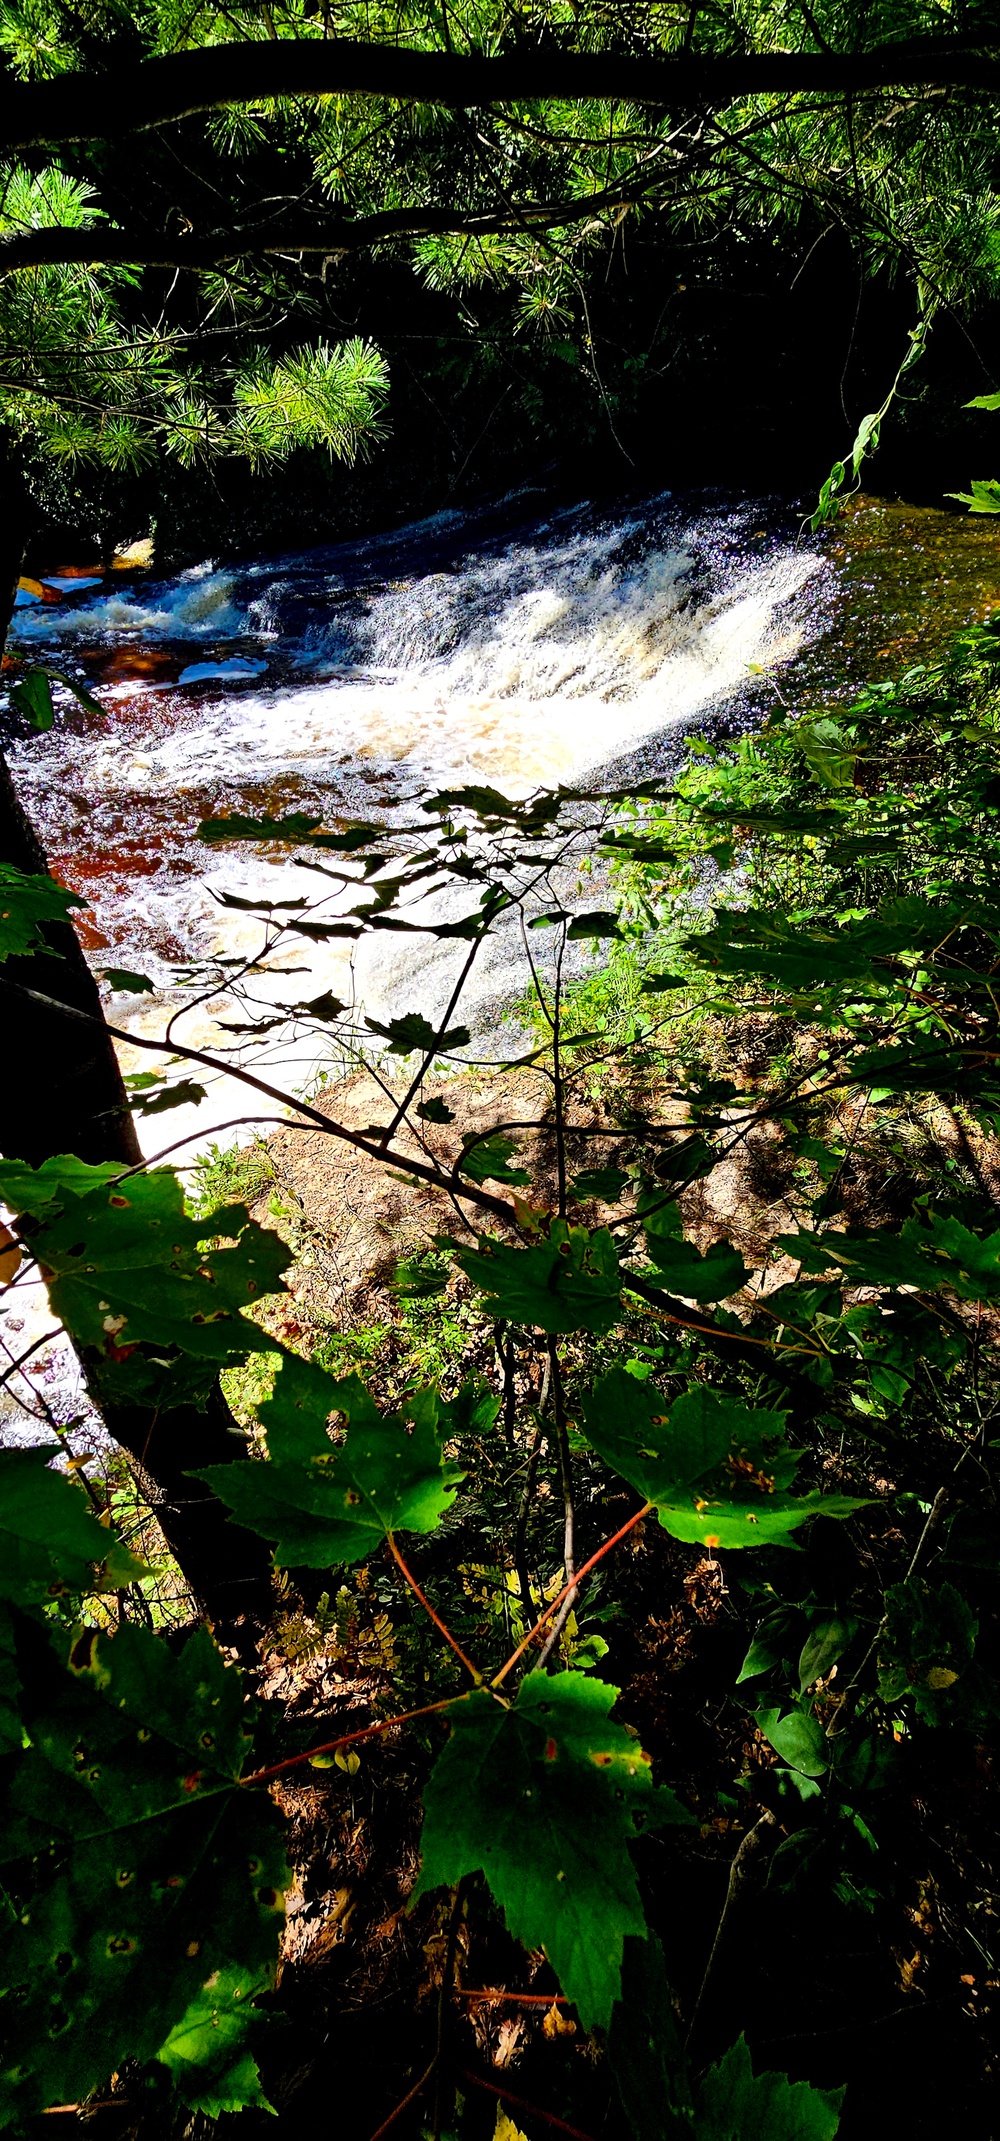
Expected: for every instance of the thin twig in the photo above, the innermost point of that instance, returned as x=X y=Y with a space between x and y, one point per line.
x=520 y=1999
x=408 y=2099
x=447 y=1970
x=520 y=1553
x=522 y=2104
x=350 y=1739
x=569 y=1510
x=428 y=1608
x=622 y=1533
x=750 y=1844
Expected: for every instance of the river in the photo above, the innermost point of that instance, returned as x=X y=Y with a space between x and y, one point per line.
x=527 y=642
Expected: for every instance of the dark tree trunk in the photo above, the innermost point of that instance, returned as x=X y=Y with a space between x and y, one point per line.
x=61 y=1090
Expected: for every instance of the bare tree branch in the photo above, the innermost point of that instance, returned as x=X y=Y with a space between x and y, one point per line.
x=100 y=246
x=156 y=92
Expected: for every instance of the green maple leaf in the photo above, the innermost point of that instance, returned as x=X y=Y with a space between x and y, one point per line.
x=124 y=1262
x=141 y=1865
x=435 y=1110
x=207 y=2052
x=24 y=903
x=717 y=1471
x=942 y=1253
x=487 y=1159
x=542 y=1797
x=568 y=1283
x=712 y=1277
x=413 y=1034
x=735 y=2104
x=607 y=1183
x=40 y=1190
x=326 y=1505
x=50 y=1541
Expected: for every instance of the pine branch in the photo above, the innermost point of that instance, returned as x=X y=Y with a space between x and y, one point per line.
x=158 y=92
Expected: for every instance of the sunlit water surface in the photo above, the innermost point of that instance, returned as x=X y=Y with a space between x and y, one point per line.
x=518 y=645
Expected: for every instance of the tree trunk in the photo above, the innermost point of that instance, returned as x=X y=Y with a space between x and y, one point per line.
x=63 y=1093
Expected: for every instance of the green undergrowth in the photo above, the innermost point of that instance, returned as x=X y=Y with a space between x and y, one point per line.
x=662 y=1486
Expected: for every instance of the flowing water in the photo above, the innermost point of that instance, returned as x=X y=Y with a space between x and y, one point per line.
x=521 y=645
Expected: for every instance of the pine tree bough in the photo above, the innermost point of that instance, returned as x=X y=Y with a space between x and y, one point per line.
x=157 y=92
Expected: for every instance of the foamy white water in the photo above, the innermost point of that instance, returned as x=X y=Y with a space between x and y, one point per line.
x=355 y=681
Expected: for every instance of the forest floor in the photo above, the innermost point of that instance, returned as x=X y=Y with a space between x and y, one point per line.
x=847 y=1991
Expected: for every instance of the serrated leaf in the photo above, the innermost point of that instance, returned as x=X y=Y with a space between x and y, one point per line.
x=25 y=902
x=124 y=1262
x=685 y=1271
x=294 y=826
x=326 y=1006
x=569 y=1283
x=734 y=2104
x=185 y=1093
x=40 y=1190
x=210 y=2062
x=542 y=1797
x=940 y=1253
x=326 y=1505
x=435 y=1111
x=487 y=1159
x=50 y=1540
x=145 y=1868
x=413 y=1281
x=605 y=1183
x=413 y=1034
x=717 y=1471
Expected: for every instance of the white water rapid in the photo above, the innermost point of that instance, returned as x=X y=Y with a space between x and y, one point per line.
x=463 y=648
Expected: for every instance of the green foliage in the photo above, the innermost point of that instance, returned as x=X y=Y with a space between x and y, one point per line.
x=207 y=2053
x=32 y=695
x=487 y=1159
x=645 y=2049
x=143 y=1868
x=119 y=977
x=856 y=876
x=543 y=1797
x=717 y=1471
x=926 y=1653
x=411 y=1033
x=51 y=1544
x=24 y=903
x=798 y=1737
x=684 y=1270
x=568 y=1283
x=125 y=1262
x=327 y=1506
x=735 y=2104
